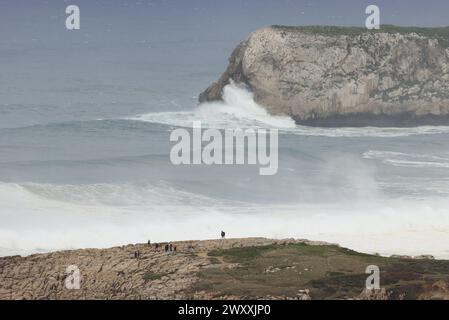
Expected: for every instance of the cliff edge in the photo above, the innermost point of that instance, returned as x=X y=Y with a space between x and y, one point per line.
x=344 y=76
x=251 y=268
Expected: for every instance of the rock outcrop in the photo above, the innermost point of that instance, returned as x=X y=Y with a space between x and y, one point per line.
x=251 y=268
x=116 y=274
x=333 y=76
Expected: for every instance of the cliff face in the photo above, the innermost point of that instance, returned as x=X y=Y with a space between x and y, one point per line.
x=345 y=76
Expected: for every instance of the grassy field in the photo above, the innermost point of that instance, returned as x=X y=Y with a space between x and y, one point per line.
x=441 y=33
x=329 y=272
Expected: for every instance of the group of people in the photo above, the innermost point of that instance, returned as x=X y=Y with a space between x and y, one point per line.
x=168 y=247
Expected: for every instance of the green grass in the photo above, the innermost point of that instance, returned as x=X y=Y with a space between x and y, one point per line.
x=239 y=254
x=439 y=33
x=327 y=271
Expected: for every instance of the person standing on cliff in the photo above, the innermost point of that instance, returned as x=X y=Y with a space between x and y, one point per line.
x=223 y=234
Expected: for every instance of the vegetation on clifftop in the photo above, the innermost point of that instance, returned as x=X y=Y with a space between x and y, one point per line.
x=439 y=33
x=327 y=271
x=251 y=268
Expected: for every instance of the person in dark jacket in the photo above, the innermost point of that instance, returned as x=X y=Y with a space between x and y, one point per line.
x=223 y=234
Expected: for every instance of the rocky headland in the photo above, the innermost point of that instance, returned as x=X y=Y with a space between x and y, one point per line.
x=345 y=76
x=252 y=268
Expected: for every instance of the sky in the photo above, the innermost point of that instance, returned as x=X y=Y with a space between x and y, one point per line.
x=200 y=20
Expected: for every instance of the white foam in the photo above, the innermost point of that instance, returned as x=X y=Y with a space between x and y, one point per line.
x=370 y=131
x=407 y=160
x=36 y=222
x=238 y=110
x=117 y=195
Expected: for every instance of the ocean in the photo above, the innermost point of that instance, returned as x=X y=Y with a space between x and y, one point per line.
x=85 y=121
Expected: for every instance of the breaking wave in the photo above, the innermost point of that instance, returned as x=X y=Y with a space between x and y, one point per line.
x=239 y=110
x=408 y=160
x=39 y=218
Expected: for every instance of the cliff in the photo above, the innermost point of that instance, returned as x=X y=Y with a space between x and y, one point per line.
x=252 y=268
x=337 y=76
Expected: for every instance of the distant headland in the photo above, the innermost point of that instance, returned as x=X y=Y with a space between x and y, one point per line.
x=345 y=76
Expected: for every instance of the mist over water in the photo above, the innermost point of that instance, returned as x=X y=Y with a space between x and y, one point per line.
x=337 y=185
x=85 y=121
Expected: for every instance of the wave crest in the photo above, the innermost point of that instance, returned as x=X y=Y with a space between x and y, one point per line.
x=239 y=110
x=408 y=160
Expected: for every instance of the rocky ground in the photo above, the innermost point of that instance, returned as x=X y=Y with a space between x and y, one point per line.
x=253 y=268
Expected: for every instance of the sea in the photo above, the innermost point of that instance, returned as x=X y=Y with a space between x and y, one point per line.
x=85 y=123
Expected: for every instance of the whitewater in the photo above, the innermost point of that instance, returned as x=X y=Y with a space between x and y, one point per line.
x=375 y=190
x=85 y=122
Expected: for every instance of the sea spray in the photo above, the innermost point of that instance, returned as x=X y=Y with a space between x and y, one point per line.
x=239 y=110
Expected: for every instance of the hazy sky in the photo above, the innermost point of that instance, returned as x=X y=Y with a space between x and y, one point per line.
x=24 y=20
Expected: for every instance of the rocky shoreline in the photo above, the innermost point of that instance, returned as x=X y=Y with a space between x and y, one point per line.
x=345 y=76
x=252 y=268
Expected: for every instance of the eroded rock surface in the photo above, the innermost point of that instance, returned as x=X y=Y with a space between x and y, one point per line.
x=115 y=273
x=252 y=268
x=345 y=76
